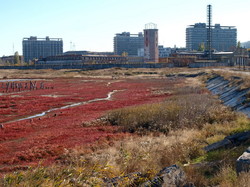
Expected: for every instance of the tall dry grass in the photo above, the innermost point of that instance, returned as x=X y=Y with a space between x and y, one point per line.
x=188 y=109
x=236 y=77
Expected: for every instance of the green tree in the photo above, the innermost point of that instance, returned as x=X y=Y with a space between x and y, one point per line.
x=16 y=58
x=238 y=44
x=201 y=47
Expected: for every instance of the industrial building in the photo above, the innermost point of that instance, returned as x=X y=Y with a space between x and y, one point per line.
x=10 y=59
x=224 y=38
x=78 y=59
x=164 y=51
x=34 y=48
x=129 y=44
x=151 y=50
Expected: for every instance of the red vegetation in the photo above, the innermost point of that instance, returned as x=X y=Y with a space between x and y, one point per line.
x=28 y=142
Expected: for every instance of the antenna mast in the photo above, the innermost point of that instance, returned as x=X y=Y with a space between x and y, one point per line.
x=209 y=31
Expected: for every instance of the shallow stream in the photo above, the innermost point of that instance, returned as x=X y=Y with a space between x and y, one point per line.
x=67 y=106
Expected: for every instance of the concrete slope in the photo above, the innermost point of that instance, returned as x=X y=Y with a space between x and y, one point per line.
x=230 y=93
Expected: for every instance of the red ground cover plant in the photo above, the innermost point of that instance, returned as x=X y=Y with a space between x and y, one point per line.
x=30 y=141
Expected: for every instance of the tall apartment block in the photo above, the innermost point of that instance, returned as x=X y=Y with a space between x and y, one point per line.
x=34 y=48
x=128 y=43
x=151 y=51
x=224 y=38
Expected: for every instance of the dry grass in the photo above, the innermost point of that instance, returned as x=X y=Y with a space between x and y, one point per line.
x=188 y=109
x=102 y=73
x=146 y=154
x=225 y=176
x=243 y=77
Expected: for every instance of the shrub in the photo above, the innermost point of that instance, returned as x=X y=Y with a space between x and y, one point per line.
x=181 y=111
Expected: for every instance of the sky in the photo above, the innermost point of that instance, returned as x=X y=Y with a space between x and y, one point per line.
x=92 y=24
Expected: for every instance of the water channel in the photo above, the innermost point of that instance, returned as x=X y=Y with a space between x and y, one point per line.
x=67 y=106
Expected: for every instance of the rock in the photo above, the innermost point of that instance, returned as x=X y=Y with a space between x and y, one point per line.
x=172 y=176
x=229 y=141
x=189 y=185
x=243 y=162
x=117 y=180
x=221 y=144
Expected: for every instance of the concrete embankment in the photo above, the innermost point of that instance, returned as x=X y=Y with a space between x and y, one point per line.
x=230 y=92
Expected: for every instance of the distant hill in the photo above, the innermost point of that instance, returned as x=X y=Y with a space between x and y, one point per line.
x=246 y=44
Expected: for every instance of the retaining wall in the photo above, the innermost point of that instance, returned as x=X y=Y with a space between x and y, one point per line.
x=230 y=93
x=207 y=64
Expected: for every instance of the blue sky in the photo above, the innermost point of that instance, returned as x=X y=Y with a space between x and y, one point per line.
x=92 y=24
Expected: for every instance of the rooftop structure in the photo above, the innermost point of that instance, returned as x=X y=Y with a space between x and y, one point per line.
x=87 y=53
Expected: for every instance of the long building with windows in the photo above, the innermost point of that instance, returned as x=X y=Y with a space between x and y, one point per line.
x=130 y=44
x=79 y=59
x=35 y=48
x=224 y=38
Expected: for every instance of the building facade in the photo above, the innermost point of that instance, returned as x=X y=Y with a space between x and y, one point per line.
x=78 y=59
x=35 y=48
x=151 y=50
x=164 y=51
x=224 y=38
x=11 y=60
x=127 y=43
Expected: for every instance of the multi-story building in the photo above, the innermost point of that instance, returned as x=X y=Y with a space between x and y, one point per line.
x=151 y=50
x=11 y=59
x=130 y=44
x=224 y=38
x=34 y=48
x=164 y=51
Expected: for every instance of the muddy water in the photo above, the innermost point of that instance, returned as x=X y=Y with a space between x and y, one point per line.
x=67 y=106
